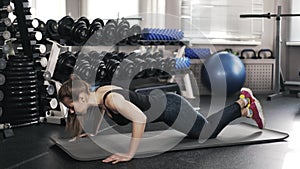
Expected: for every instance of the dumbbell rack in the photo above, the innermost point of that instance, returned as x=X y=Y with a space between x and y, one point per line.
x=20 y=104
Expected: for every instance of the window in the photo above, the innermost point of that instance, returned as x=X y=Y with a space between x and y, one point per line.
x=295 y=22
x=220 y=19
x=111 y=9
x=45 y=10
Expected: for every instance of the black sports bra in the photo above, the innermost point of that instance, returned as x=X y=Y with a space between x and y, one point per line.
x=140 y=100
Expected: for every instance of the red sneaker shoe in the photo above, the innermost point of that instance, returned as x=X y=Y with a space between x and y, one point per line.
x=257 y=114
x=246 y=93
x=253 y=104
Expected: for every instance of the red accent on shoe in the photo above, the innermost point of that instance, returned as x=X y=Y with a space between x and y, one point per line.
x=258 y=115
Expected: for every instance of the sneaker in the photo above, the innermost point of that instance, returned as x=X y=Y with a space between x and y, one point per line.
x=257 y=114
x=253 y=104
x=246 y=93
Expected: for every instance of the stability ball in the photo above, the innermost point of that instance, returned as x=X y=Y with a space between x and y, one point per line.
x=223 y=72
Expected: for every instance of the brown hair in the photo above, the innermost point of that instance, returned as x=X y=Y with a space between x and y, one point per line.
x=71 y=89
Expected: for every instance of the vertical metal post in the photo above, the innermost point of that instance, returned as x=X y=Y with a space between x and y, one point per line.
x=277 y=56
x=278 y=50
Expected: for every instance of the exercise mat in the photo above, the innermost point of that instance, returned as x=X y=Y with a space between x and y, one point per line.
x=155 y=142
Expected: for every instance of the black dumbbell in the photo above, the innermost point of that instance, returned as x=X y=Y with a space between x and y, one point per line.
x=66 y=62
x=113 y=68
x=79 y=32
x=95 y=32
x=158 y=56
x=107 y=57
x=65 y=26
x=127 y=69
x=122 y=31
x=51 y=30
x=38 y=25
x=85 y=20
x=109 y=32
x=83 y=69
x=140 y=67
x=170 y=65
x=101 y=72
x=151 y=66
x=97 y=65
x=135 y=34
x=84 y=56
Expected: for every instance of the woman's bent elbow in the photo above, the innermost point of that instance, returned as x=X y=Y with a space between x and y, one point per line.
x=141 y=119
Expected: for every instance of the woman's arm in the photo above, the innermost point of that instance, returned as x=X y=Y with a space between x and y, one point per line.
x=118 y=103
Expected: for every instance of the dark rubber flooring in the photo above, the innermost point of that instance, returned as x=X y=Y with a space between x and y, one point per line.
x=31 y=148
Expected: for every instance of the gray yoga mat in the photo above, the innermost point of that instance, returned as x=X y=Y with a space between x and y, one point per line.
x=155 y=142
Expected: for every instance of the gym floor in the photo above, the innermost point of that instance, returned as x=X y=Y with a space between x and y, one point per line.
x=31 y=148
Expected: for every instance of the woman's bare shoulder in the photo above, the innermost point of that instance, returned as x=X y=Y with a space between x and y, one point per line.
x=100 y=92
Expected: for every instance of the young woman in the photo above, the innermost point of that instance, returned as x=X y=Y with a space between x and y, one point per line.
x=124 y=107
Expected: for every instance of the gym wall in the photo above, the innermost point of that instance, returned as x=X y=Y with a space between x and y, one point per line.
x=290 y=58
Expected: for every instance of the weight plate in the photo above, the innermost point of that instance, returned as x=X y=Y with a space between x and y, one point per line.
x=22 y=93
x=1 y=95
x=21 y=99
x=23 y=82
x=23 y=115
x=21 y=111
x=23 y=73
x=21 y=105
x=24 y=121
x=3 y=63
x=2 y=79
x=23 y=69
x=19 y=59
x=22 y=87
x=21 y=78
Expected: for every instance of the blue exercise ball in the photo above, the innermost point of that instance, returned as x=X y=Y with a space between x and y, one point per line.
x=223 y=72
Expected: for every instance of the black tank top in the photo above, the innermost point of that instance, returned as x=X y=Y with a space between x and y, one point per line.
x=139 y=100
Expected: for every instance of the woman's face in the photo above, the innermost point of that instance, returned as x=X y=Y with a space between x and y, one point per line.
x=80 y=107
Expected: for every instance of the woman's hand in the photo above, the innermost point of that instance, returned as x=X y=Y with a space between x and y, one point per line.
x=118 y=157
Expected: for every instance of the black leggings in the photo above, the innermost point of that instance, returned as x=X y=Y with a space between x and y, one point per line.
x=181 y=116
